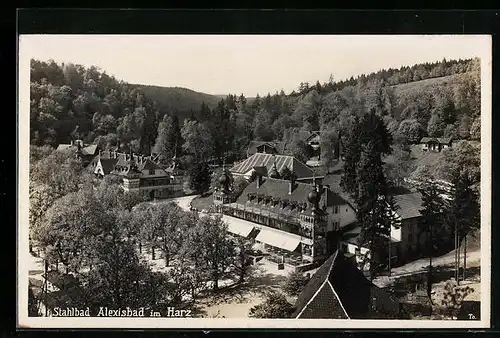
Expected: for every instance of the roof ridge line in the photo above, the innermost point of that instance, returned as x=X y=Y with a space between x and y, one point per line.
x=338 y=298
x=320 y=287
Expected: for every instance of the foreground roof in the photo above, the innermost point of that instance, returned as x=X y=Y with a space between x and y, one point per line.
x=339 y=290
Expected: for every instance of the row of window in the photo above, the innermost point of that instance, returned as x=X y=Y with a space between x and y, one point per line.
x=155 y=182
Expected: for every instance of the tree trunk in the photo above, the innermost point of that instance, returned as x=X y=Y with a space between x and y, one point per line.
x=140 y=246
x=167 y=256
x=215 y=276
x=465 y=256
x=429 y=278
x=153 y=252
x=390 y=255
x=216 y=282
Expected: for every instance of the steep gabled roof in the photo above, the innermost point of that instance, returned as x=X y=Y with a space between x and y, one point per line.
x=339 y=290
x=267 y=160
x=409 y=205
x=318 y=299
x=142 y=163
x=108 y=165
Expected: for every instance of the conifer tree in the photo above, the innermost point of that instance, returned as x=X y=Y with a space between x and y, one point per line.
x=462 y=214
x=432 y=221
x=365 y=181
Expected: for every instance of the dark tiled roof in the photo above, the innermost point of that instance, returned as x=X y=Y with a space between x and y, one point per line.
x=324 y=305
x=279 y=188
x=122 y=161
x=108 y=165
x=267 y=160
x=333 y=181
x=409 y=205
x=352 y=293
x=315 y=283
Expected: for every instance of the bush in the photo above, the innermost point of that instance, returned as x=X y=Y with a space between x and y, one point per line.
x=275 y=306
x=454 y=297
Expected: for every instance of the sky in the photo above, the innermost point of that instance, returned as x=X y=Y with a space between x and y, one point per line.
x=245 y=64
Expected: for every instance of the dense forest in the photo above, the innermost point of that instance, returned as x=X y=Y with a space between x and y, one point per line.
x=439 y=99
x=177 y=99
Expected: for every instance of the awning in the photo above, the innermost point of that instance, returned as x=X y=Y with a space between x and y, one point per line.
x=238 y=226
x=279 y=239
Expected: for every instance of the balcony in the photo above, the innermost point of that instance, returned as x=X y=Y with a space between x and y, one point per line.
x=264 y=217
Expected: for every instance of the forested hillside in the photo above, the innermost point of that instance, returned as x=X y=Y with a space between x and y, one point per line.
x=180 y=100
x=436 y=99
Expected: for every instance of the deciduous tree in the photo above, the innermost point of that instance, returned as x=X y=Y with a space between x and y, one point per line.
x=295 y=283
x=275 y=306
x=217 y=250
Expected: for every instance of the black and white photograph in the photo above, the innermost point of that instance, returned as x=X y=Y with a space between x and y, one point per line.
x=225 y=181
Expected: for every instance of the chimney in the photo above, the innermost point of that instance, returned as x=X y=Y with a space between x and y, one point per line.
x=325 y=191
x=259 y=180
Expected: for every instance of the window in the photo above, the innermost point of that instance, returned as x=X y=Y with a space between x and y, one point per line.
x=357 y=251
x=410 y=238
x=336 y=209
x=336 y=225
x=151 y=171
